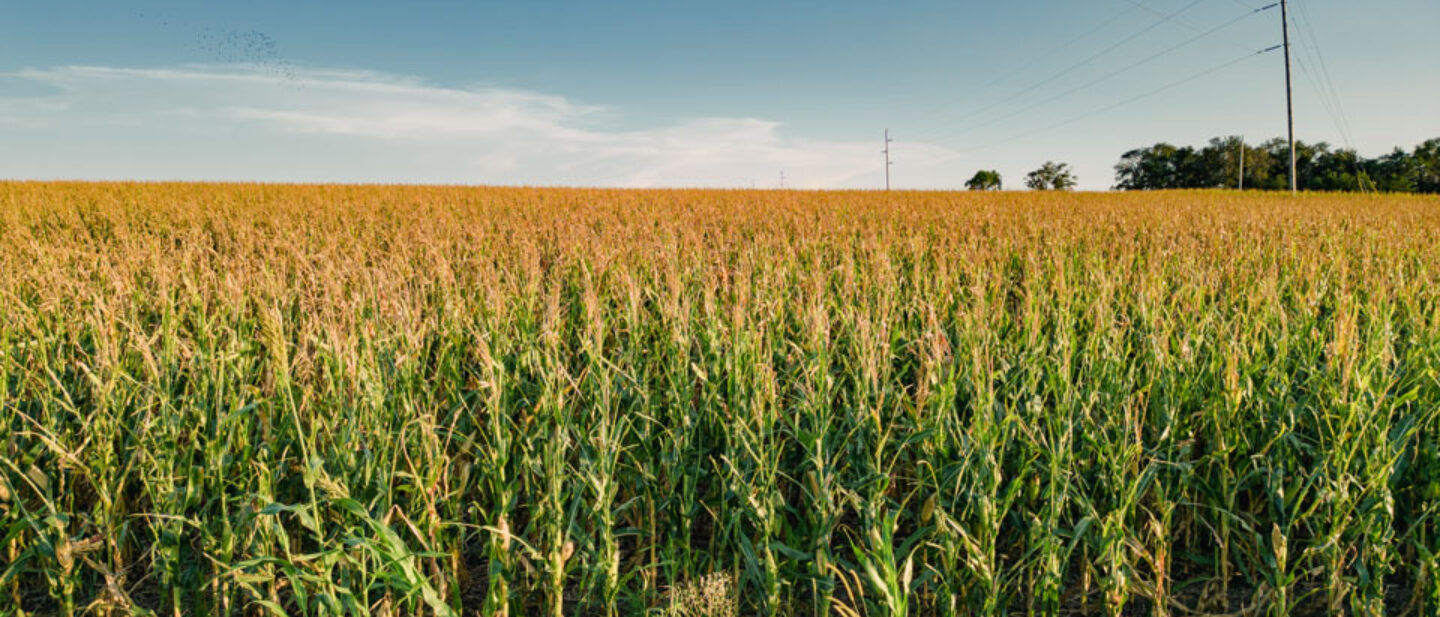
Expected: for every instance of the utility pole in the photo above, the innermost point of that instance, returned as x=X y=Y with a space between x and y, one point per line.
x=782 y=178
x=1289 y=100
x=1241 y=182
x=887 y=158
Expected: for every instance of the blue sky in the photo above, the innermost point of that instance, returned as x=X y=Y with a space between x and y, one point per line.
x=686 y=93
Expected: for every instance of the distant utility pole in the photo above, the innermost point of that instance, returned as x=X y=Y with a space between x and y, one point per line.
x=782 y=178
x=887 y=158
x=1289 y=100
x=1241 y=182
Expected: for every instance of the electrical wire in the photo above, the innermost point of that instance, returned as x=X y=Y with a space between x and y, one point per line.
x=1095 y=112
x=1106 y=77
x=1318 y=76
x=1313 y=42
x=1148 y=9
x=1067 y=70
x=1020 y=70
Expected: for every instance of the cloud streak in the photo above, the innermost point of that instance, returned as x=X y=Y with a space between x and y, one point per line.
x=226 y=122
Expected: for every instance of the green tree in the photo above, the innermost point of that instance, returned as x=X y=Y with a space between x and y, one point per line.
x=1306 y=155
x=1051 y=177
x=1427 y=166
x=1222 y=162
x=1163 y=166
x=1397 y=172
x=1152 y=168
x=984 y=180
x=1267 y=167
x=1341 y=170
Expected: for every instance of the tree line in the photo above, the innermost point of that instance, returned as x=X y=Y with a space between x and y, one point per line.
x=1228 y=162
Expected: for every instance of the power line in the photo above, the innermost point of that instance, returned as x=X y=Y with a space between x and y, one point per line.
x=1110 y=75
x=1095 y=112
x=1325 y=101
x=1322 y=82
x=1354 y=166
x=1303 y=53
x=1065 y=71
x=1148 y=9
x=1020 y=70
x=1324 y=86
x=1314 y=42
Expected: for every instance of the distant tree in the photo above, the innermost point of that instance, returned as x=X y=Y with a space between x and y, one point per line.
x=1427 y=166
x=984 y=180
x=1341 y=170
x=1051 y=177
x=1163 y=166
x=1267 y=167
x=1306 y=155
x=1222 y=162
x=1145 y=169
x=1397 y=172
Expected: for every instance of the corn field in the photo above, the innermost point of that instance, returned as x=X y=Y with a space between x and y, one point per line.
x=361 y=400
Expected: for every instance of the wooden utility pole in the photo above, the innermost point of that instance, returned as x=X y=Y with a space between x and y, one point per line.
x=1289 y=99
x=887 y=158
x=1241 y=182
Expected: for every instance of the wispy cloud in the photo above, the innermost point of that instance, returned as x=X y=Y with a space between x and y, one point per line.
x=223 y=122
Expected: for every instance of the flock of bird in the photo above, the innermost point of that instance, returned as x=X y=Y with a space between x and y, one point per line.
x=246 y=47
x=252 y=49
